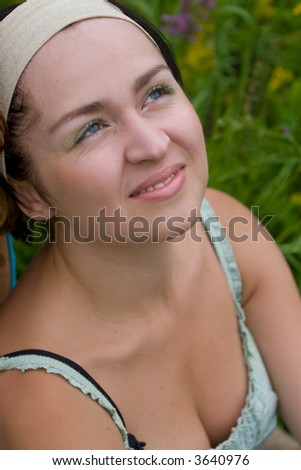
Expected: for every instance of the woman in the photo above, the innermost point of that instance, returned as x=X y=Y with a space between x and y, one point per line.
x=134 y=289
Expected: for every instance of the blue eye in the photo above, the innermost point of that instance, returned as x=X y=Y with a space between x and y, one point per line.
x=155 y=94
x=89 y=130
x=158 y=92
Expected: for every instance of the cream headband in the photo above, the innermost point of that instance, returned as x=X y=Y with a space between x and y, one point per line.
x=27 y=28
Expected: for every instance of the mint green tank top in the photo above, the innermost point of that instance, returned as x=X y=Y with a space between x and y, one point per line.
x=258 y=417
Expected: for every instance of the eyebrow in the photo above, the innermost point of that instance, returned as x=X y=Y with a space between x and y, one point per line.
x=85 y=110
x=142 y=81
x=100 y=106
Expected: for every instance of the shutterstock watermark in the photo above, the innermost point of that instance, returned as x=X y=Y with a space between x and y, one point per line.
x=117 y=228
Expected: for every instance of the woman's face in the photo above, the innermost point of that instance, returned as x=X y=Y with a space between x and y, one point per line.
x=113 y=130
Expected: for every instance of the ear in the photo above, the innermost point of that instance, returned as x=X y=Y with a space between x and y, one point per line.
x=29 y=200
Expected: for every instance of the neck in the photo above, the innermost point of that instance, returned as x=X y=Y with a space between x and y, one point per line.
x=118 y=278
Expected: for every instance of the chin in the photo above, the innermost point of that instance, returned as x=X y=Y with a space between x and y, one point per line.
x=174 y=226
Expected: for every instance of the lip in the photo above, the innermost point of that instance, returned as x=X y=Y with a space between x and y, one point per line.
x=177 y=172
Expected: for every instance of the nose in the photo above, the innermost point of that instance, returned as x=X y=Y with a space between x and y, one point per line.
x=145 y=140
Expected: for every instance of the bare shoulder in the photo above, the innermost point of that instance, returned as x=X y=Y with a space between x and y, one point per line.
x=43 y=411
x=227 y=207
x=258 y=257
x=270 y=296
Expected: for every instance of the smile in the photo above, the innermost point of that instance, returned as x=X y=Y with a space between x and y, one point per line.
x=156 y=186
x=161 y=186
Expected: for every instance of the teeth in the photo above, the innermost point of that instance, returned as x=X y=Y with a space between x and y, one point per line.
x=159 y=185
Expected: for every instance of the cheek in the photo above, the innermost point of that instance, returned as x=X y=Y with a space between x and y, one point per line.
x=194 y=143
x=79 y=185
x=188 y=129
x=196 y=148
x=196 y=133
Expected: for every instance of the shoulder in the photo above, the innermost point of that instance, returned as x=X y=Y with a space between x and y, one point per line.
x=228 y=208
x=255 y=250
x=261 y=264
x=270 y=295
x=43 y=411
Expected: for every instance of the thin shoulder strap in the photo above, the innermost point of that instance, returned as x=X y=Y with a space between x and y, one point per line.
x=12 y=261
x=223 y=249
x=53 y=363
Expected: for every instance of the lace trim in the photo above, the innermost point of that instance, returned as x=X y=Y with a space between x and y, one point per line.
x=54 y=366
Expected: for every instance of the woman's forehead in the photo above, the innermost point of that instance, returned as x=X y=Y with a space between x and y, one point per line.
x=97 y=54
x=97 y=37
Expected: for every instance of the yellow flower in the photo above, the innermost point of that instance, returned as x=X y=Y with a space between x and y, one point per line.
x=295 y=198
x=200 y=57
x=200 y=54
x=264 y=9
x=297 y=9
x=279 y=78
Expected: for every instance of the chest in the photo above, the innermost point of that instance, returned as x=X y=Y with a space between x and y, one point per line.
x=186 y=385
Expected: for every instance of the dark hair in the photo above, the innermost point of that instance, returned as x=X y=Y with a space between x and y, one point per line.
x=6 y=11
x=21 y=115
x=12 y=219
x=161 y=42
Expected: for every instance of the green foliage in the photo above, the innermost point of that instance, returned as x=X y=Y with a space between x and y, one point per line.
x=6 y=3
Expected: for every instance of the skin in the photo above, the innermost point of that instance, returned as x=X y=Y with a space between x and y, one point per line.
x=153 y=323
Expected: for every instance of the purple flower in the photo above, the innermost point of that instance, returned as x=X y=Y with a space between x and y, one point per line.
x=208 y=4
x=180 y=24
x=187 y=22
